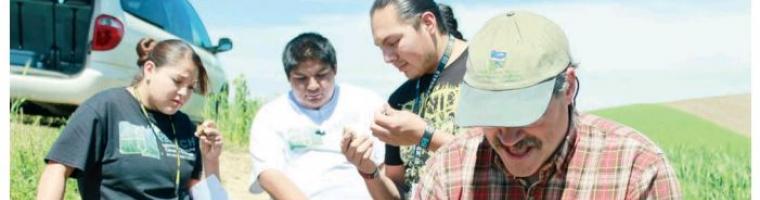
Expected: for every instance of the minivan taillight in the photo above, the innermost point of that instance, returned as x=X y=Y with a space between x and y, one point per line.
x=107 y=33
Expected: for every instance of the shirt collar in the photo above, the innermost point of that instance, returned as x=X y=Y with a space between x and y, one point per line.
x=317 y=115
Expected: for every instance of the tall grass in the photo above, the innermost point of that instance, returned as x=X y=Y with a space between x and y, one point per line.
x=711 y=162
x=30 y=142
x=233 y=115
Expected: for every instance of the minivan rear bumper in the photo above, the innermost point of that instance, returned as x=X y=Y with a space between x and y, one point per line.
x=61 y=89
x=56 y=88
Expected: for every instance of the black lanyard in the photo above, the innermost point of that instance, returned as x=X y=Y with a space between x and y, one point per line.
x=441 y=64
x=417 y=151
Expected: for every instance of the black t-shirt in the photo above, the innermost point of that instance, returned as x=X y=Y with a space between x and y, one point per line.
x=118 y=154
x=439 y=105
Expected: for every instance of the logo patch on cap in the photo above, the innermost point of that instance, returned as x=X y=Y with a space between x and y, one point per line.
x=497 y=59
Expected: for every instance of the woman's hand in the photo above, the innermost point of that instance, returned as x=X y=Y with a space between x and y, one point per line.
x=211 y=146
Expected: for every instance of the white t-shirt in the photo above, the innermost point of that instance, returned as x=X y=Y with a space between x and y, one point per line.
x=304 y=144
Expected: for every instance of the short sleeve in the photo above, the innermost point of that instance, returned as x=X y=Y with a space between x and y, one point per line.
x=392 y=155
x=267 y=149
x=78 y=146
x=403 y=94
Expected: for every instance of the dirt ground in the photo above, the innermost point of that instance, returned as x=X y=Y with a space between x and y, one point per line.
x=732 y=112
x=235 y=172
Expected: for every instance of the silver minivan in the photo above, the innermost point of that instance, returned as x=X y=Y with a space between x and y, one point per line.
x=63 y=52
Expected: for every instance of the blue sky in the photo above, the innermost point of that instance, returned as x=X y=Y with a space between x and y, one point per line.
x=630 y=51
x=268 y=13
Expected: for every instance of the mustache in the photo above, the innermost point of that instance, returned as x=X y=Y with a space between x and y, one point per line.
x=528 y=142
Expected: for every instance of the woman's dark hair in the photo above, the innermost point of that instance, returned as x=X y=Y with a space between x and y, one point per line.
x=410 y=10
x=168 y=52
x=305 y=47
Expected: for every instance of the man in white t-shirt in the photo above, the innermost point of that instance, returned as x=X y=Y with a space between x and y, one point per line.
x=296 y=140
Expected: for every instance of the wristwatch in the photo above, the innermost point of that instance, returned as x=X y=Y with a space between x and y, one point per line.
x=370 y=175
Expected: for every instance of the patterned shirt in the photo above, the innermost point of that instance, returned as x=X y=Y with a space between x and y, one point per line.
x=599 y=159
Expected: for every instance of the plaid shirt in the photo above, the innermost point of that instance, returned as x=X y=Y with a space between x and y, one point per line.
x=599 y=159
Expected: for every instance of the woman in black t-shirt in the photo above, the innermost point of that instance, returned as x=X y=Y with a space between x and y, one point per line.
x=133 y=142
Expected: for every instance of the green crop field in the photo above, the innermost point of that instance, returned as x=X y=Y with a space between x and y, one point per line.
x=711 y=162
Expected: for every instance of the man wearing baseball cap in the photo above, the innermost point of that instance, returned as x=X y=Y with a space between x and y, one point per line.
x=524 y=138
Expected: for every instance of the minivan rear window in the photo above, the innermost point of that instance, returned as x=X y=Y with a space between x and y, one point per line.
x=150 y=11
x=175 y=16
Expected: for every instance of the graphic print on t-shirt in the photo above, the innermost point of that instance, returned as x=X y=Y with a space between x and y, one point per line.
x=302 y=138
x=137 y=139
x=439 y=113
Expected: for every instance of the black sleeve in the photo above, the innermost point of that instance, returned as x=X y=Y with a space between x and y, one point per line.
x=79 y=144
x=402 y=95
x=407 y=92
x=392 y=155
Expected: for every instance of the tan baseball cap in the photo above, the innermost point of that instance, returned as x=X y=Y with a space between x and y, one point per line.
x=510 y=73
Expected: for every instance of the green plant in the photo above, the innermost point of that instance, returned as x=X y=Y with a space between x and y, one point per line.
x=233 y=115
x=711 y=162
x=16 y=108
x=29 y=145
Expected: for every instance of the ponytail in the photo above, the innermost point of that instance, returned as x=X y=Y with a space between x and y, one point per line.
x=144 y=48
x=447 y=15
